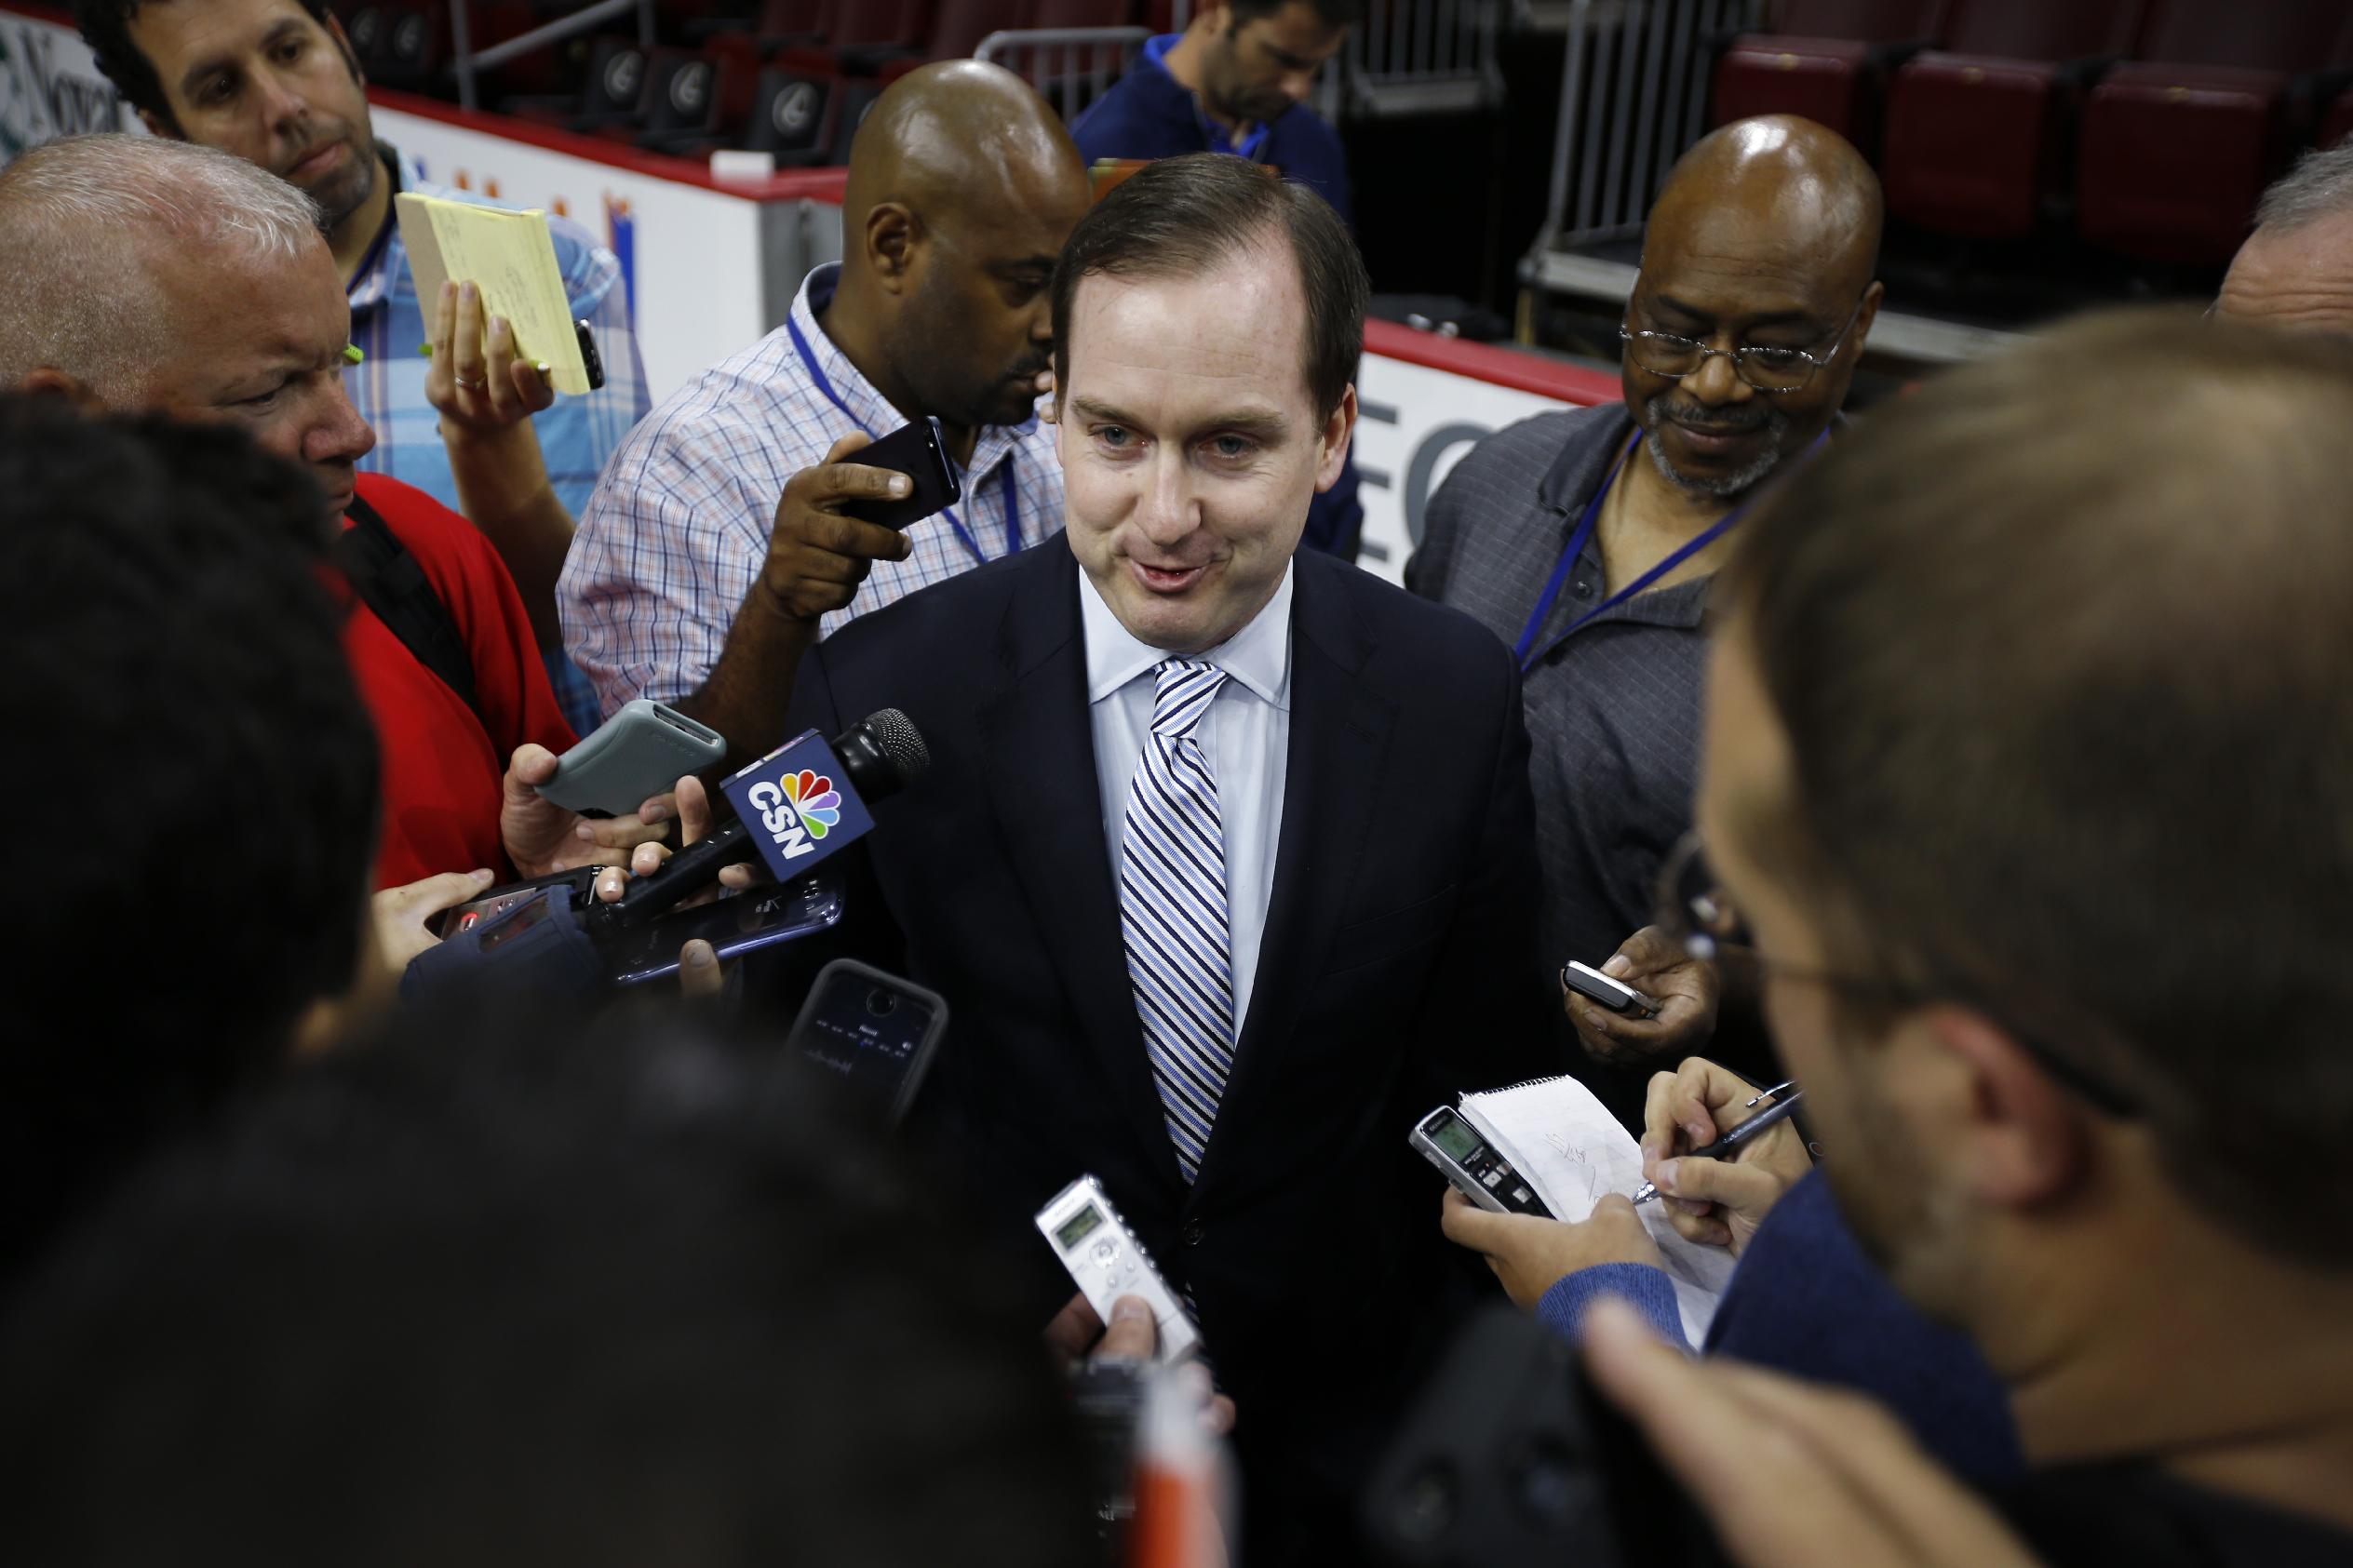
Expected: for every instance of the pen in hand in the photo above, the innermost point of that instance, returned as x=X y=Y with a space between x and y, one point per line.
x=1736 y=1140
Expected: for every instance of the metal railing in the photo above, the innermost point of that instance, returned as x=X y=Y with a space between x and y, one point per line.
x=469 y=63
x=1423 y=57
x=1070 y=67
x=1634 y=95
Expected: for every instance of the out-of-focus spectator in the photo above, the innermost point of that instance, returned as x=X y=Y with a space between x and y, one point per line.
x=178 y=682
x=1991 y=835
x=714 y=551
x=275 y=81
x=521 y=1289
x=2296 y=270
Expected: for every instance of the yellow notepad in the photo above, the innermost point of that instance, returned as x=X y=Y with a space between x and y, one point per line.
x=510 y=257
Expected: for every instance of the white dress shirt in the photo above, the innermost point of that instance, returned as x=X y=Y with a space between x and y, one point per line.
x=1246 y=739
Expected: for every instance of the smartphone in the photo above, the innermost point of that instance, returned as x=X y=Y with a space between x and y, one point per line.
x=638 y=753
x=872 y=1028
x=740 y=923
x=1600 y=990
x=498 y=901
x=914 y=451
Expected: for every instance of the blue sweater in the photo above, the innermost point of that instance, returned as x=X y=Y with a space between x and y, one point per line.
x=1805 y=1300
x=1147 y=113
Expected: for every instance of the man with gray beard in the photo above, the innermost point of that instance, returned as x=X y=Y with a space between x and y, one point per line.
x=1586 y=539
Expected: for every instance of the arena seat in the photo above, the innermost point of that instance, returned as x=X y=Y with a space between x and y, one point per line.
x=2178 y=144
x=1978 y=133
x=862 y=36
x=1828 y=60
x=957 y=31
x=614 y=92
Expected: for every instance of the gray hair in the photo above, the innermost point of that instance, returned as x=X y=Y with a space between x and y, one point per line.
x=79 y=220
x=2319 y=186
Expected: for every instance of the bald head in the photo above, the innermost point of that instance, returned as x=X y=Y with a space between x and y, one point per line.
x=1766 y=238
x=962 y=187
x=1773 y=187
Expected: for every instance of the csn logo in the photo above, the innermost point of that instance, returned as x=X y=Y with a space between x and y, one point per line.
x=796 y=809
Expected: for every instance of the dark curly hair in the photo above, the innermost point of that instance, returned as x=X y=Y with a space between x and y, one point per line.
x=176 y=658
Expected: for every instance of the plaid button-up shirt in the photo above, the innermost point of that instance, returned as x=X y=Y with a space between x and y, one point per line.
x=675 y=535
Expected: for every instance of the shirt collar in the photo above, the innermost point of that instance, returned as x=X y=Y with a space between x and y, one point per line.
x=1257 y=657
x=377 y=277
x=870 y=409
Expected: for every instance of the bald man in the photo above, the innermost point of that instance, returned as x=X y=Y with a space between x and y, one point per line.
x=2296 y=270
x=716 y=550
x=1585 y=540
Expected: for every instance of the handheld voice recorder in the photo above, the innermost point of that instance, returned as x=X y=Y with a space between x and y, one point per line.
x=1107 y=1261
x=1476 y=1168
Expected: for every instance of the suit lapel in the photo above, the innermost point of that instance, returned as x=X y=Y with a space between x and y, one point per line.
x=1048 y=805
x=1339 y=735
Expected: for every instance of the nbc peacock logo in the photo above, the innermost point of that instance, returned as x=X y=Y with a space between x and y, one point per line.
x=815 y=798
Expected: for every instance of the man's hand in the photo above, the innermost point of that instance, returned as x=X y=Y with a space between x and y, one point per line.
x=1531 y=1255
x=1686 y=989
x=478 y=380
x=1076 y=1335
x=1792 y=1475
x=401 y=915
x=816 y=555
x=1719 y=1202
x=541 y=836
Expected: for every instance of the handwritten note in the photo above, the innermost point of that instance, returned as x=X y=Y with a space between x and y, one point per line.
x=1557 y=1136
x=511 y=258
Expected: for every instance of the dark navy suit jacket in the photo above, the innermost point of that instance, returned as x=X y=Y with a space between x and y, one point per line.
x=1398 y=968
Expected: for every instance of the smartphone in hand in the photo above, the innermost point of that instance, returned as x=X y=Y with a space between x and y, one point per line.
x=915 y=451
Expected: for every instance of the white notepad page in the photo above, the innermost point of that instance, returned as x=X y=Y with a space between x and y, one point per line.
x=1564 y=1140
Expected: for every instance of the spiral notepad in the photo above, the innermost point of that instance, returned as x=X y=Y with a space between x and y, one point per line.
x=1557 y=1136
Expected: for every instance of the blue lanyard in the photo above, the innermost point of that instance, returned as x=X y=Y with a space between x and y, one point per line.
x=1576 y=549
x=1013 y=504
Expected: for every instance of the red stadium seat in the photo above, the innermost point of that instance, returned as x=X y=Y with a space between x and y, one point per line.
x=1977 y=134
x=2178 y=146
x=957 y=31
x=1828 y=62
x=1062 y=14
x=697 y=101
x=862 y=36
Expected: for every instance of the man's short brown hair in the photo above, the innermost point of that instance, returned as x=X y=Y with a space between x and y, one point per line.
x=1185 y=216
x=2062 y=645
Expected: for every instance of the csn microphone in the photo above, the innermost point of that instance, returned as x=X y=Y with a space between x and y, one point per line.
x=795 y=807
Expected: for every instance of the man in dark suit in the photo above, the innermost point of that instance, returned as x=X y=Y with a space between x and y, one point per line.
x=1225 y=862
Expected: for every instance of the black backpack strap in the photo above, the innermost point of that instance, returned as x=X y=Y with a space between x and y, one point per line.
x=388 y=580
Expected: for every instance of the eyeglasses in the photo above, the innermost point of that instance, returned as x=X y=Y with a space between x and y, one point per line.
x=1696 y=917
x=1768 y=369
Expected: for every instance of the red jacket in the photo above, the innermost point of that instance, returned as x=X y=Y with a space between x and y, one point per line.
x=442 y=767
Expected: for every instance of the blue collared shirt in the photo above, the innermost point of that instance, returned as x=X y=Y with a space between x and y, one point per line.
x=1246 y=739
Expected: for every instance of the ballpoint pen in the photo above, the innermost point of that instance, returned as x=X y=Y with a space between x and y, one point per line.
x=1734 y=1141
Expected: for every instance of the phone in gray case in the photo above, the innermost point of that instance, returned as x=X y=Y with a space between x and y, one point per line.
x=638 y=753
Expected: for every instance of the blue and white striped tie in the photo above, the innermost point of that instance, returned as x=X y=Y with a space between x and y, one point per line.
x=1172 y=910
